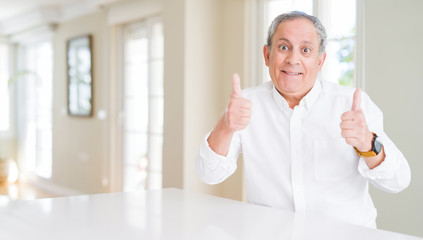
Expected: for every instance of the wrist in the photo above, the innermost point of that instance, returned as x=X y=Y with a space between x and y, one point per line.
x=375 y=149
x=220 y=138
x=223 y=126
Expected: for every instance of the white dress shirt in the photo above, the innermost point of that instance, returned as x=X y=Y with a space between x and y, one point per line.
x=296 y=159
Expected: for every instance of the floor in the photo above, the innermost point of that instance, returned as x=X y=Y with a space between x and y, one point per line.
x=21 y=191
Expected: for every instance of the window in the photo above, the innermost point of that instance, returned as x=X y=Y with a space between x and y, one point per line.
x=339 y=19
x=276 y=7
x=4 y=93
x=35 y=103
x=143 y=105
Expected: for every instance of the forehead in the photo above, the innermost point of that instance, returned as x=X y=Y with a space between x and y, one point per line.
x=296 y=31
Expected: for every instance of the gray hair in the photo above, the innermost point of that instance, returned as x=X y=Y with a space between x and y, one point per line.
x=320 y=29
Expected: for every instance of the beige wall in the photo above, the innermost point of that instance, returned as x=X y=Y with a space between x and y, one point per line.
x=393 y=79
x=8 y=147
x=80 y=145
x=234 y=59
x=203 y=79
x=203 y=47
x=174 y=61
x=208 y=36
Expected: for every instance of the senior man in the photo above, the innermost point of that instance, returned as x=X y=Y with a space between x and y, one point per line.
x=308 y=145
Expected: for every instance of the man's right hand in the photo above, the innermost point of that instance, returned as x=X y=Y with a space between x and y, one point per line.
x=238 y=113
x=237 y=117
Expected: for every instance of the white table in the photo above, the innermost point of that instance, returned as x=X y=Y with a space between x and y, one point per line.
x=167 y=214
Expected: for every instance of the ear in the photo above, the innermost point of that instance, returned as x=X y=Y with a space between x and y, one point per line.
x=266 y=54
x=322 y=58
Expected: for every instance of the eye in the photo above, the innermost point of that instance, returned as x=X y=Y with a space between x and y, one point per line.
x=283 y=47
x=306 y=50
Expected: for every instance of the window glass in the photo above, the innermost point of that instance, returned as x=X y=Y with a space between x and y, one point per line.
x=4 y=93
x=35 y=123
x=143 y=105
x=340 y=22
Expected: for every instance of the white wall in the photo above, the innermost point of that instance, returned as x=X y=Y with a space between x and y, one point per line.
x=393 y=79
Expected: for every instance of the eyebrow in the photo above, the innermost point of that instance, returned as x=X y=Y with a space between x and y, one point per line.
x=286 y=40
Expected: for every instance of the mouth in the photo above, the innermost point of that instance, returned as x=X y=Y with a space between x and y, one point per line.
x=292 y=73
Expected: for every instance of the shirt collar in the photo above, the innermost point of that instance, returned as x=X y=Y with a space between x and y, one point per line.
x=308 y=100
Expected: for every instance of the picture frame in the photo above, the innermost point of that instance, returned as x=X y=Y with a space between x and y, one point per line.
x=79 y=61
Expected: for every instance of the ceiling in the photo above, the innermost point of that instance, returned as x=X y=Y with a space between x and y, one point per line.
x=17 y=16
x=11 y=8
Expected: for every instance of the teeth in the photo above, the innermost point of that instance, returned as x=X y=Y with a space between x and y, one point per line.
x=293 y=74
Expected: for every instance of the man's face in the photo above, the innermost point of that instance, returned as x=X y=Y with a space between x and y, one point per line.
x=294 y=60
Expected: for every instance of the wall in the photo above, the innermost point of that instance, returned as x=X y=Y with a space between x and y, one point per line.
x=393 y=79
x=174 y=59
x=234 y=60
x=203 y=47
x=203 y=80
x=80 y=144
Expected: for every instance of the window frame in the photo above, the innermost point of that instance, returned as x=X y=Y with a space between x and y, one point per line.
x=120 y=164
x=10 y=132
x=30 y=169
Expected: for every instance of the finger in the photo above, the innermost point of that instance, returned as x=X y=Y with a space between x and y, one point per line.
x=347 y=116
x=236 y=85
x=239 y=122
x=239 y=103
x=245 y=103
x=350 y=116
x=348 y=125
x=239 y=112
x=244 y=113
x=351 y=141
x=349 y=133
x=356 y=106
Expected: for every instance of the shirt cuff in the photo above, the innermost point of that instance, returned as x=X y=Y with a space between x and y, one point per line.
x=386 y=169
x=214 y=160
x=211 y=159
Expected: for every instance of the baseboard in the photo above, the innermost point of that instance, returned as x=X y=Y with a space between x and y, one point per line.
x=50 y=187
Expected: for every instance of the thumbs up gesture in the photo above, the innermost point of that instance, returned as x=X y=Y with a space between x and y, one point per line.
x=236 y=117
x=239 y=109
x=354 y=127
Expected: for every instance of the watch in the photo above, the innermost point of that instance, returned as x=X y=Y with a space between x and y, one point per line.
x=376 y=148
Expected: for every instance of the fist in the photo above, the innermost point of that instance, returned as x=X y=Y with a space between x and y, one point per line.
x=354 y=127
x=238 y=113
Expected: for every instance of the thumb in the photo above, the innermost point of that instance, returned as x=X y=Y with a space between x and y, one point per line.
x=356 y=106
x=236 y=85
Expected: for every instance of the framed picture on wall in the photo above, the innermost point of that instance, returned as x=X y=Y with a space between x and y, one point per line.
x=80 y=77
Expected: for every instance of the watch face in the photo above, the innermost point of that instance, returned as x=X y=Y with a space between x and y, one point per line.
x=378 y=146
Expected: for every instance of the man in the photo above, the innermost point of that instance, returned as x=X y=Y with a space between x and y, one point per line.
x=308 y=145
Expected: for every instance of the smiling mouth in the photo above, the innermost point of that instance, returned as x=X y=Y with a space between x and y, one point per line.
x=292 y=73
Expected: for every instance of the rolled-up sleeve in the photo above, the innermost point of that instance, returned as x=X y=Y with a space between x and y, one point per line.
x=213 y=168
x=393 y=174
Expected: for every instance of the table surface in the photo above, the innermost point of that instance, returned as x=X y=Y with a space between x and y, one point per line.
x=168 y=214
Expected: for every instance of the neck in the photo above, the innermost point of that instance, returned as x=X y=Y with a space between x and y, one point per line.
x=293 y=99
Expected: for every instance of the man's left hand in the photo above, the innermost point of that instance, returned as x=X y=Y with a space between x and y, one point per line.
x=354 y=127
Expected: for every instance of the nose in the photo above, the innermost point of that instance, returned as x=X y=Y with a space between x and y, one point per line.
x=293 y=58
